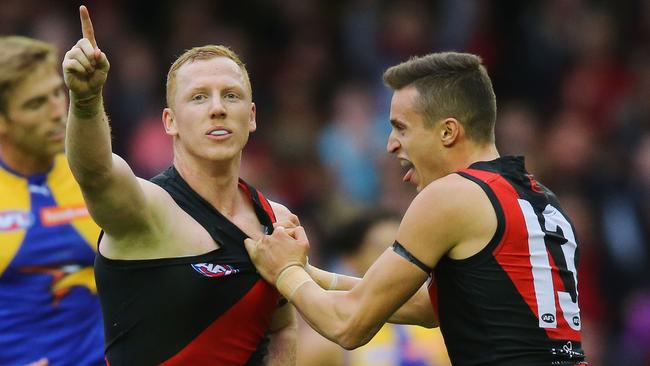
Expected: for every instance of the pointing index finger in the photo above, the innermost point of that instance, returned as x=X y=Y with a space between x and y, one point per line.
x=87 y=26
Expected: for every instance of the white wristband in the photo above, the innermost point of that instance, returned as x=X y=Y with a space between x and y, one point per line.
x=334 y=282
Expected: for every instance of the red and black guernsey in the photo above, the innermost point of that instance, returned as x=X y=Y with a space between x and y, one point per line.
x=516 y=301
x=210 y=309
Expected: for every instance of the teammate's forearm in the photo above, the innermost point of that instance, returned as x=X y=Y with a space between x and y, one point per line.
x=416 y=311
x=88 y=141
x=330 y=280
x=331 y=313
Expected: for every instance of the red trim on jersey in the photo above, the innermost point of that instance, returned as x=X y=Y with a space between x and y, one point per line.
x=107 y=363
x=233 y=337
x=513 y=253
x=433 y=296
x=265 y=203
x=267 y=206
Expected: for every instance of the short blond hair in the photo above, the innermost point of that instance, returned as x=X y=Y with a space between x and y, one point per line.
x=203 y=53
x=19 y=57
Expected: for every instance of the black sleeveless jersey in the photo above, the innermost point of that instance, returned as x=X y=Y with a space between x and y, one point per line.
x=516 y=301
x=210 y=309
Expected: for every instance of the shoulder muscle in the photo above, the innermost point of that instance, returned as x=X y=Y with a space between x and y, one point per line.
x=446 y=213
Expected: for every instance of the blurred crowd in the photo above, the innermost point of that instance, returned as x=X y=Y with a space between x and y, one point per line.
x=572 y=79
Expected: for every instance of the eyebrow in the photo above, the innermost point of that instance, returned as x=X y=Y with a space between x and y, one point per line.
x=396 y=123
x=195 y=89
x=43 y=96
x=38 y=98
x=202 y=88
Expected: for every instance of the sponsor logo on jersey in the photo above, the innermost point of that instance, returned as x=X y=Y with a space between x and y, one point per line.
x=15 y=220
x=214 y=270
x=60 y=215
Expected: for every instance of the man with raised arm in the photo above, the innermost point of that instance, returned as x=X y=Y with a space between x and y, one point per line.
x=175 y=282
x=501 y=249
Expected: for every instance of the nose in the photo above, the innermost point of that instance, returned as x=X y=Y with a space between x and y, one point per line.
x=393 y=144
x=217 y=110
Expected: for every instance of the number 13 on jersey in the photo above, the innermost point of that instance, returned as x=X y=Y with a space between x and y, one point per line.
x=557 y=240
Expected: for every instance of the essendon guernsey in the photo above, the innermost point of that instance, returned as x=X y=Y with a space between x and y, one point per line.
x=211 y=309
x=516 y=301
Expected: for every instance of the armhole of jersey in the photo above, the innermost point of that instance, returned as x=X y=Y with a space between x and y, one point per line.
x=486 y=252
x=99 y=240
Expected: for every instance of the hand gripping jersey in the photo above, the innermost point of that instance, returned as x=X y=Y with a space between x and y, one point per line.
x=210 y=309
x=516 y=301
x=48 y=302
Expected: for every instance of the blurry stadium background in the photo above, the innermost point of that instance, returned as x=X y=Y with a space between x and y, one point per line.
x=572 y=79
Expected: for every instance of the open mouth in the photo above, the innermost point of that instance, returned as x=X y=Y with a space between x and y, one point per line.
x=219 y=132
x=57 y=135
x=408 y=168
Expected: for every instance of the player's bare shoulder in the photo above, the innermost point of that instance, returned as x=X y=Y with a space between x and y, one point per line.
x=472 y=212
x=450 y=196
x=446 y=215
x=283 y=215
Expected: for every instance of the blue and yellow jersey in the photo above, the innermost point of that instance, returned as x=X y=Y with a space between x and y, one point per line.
x=48 y=302
x=401 y=345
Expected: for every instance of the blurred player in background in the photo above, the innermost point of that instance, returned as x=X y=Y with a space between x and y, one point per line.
x=49 y=310
x=502 y=252
x=357 y=243
x=176 y=284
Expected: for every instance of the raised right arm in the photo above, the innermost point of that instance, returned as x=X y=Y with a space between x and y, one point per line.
x=114 y=196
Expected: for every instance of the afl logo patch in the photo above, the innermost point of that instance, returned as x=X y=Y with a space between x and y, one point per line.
x=548 y=318
x=15 y=220
x=214 y=270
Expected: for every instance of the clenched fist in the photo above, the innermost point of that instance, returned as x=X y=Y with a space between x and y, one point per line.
x=273 y=253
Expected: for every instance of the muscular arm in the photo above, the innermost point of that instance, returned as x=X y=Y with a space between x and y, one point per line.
x=444 y=216
x=416 y=311
x=113 y=194
x=351 y=318
x=282 y=344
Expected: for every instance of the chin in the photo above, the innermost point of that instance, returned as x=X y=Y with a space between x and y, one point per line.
x=221 y=155
x=53 y=151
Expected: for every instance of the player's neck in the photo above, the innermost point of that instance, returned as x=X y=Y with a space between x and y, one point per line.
x=23 y=163
x=485 y=153
x=474 y=153
x=216 y=182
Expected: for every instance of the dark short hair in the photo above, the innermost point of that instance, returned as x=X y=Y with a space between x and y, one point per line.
x=450 y=84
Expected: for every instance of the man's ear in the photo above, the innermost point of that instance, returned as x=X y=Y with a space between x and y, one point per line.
x=450 y=131
x=169 y=122
x=252 y=123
